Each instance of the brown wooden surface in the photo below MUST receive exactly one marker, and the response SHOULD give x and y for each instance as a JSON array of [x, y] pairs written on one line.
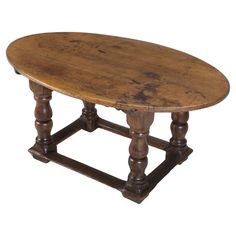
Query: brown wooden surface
[[118, 72], [43, 123], [137, 183]]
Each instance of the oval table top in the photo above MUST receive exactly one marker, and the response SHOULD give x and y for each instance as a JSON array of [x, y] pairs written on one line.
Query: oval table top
[[118, 72]]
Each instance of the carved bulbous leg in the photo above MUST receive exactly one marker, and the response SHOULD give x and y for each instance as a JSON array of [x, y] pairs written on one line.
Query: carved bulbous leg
[[90, 117], [178, 144], [43, 122], [137, 184]]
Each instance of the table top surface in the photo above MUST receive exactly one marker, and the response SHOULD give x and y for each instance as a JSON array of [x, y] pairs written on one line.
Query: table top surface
[[123, 73]]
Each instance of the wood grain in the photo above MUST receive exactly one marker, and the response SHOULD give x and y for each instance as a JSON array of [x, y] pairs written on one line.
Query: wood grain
[[118, 72], [43, 123], [137, 184]]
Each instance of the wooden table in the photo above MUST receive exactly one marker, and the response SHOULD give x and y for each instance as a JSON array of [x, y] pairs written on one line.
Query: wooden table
[[136, 77]]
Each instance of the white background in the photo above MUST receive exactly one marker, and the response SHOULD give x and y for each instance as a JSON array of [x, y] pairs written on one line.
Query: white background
[[196, 198]]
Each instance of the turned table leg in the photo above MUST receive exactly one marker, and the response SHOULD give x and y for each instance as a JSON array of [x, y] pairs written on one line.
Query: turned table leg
[[90, 117], [43, 123], [137, 185], [178, 144]]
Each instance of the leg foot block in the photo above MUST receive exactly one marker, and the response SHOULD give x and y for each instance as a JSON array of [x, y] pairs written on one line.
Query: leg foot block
[[37, 155], [137, 197]]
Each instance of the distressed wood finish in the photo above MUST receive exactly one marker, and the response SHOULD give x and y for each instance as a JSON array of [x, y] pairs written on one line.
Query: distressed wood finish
[[118, 72], [137, 77]]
